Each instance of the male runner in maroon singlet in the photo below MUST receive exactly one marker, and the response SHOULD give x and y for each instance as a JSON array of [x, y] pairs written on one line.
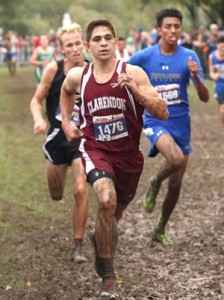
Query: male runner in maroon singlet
[[114, 95]]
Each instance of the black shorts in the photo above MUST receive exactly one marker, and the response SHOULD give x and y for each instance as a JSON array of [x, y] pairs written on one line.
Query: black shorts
[[58, 150]]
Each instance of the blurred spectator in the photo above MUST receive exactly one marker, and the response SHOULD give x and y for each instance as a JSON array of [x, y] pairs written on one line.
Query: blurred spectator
[[186, 40], [154, 37], [200, 46], [144, 39], [36, 40], [135, 35], [2, 49], [10, 43], [121, 52], [53, 41], [130, 44], [21, 49]]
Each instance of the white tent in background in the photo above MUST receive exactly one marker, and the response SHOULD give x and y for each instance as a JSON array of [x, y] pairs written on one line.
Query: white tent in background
[[66, 19]]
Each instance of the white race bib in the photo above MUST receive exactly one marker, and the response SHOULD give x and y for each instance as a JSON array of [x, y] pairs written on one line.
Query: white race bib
[[108, 128], [170, 93]]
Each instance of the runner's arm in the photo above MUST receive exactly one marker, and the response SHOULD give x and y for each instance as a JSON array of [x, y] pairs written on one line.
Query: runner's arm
[[33, 59], [139, 84], [202, 90], [68, 90], [212, 72], [40, 125]]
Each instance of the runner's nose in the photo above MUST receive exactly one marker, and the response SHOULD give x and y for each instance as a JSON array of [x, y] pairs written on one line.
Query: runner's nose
[[74, 48]]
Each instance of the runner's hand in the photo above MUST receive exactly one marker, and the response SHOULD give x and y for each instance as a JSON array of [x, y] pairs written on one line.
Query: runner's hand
[[40, 126], [126, 81], [72, 133], [192, 67]]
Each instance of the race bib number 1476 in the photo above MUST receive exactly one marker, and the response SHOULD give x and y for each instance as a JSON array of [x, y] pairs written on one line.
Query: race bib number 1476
[[108, 128]]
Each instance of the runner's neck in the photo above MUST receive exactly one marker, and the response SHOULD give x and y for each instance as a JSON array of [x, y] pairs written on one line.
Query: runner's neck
[[103, 72]]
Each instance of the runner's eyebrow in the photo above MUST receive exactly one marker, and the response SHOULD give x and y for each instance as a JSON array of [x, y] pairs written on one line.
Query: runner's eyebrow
[[108, 36]]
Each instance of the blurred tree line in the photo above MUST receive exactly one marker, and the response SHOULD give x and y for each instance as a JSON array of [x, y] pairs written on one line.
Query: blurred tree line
[[33, 17]]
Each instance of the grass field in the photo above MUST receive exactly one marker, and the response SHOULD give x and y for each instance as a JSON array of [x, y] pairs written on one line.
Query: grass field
[[20, 159], [24, 199]]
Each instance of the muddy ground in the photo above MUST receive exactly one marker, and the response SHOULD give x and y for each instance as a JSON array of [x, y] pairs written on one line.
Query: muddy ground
[[191, 268]]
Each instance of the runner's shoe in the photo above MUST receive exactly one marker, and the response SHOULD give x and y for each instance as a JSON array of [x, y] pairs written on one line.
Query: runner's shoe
[[93, 241], [161, 237], [108, 289], [78, 256], [149, 200]]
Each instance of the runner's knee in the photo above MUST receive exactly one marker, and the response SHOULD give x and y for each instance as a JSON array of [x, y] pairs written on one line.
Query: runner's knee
[[80, 193], [177, 162], [56, 194], [107, 203], [56, 197], [103, 186]]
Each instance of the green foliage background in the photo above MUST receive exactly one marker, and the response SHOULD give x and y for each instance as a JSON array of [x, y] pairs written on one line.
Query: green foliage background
[[27, 16]]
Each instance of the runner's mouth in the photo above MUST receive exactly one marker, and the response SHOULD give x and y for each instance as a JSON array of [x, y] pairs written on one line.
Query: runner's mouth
[[104, 51]]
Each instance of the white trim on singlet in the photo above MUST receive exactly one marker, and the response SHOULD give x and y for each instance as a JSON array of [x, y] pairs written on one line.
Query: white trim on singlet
[[89, 165], [119, 69], [49, 138], [83, 86], [132, 101]]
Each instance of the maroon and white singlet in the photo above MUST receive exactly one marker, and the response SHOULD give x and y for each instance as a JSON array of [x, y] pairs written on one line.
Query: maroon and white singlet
[[111, 119]]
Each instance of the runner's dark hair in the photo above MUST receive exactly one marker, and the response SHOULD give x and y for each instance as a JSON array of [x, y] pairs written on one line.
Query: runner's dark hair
[[168, 12]]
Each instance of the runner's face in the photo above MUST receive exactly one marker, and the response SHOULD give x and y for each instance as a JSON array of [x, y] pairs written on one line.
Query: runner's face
[[121, 45], [170, 30], [72, 46], [44, 42], [102, 43]]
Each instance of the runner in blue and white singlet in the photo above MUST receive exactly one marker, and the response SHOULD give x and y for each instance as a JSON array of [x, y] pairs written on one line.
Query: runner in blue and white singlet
[[169, 67], [170, 76], [216, 72], [219, 83]]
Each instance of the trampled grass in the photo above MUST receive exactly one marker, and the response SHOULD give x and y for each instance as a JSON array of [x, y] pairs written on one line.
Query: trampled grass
[[27, 214]]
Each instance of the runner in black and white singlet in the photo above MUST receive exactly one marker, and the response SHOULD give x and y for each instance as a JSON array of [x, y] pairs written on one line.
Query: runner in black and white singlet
[[59, 152], [111, 122]]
